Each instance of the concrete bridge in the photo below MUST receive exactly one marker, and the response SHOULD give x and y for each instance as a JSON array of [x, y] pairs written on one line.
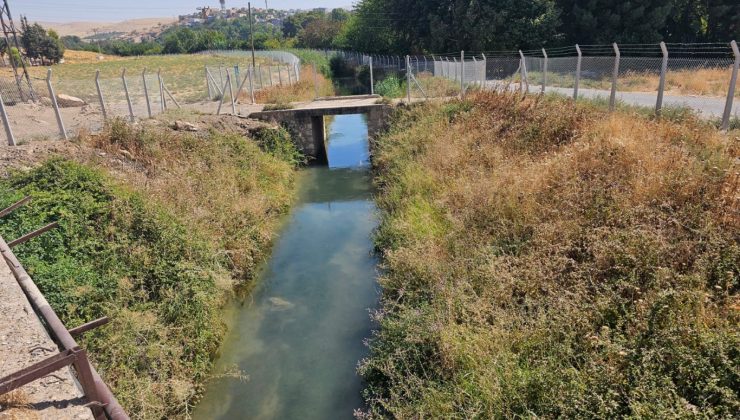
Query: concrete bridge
[[306, 124]]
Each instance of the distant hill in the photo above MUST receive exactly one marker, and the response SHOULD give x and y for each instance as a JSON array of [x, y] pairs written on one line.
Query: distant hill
[[125, 29]]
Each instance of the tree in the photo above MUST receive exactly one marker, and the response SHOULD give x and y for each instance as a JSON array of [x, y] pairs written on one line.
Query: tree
[[319, 33], [607, 21], [40, 44], [451, 25], [723, 20], [339, 15]]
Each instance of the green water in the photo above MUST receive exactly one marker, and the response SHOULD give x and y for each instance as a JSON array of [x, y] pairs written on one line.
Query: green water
[[300, 335]]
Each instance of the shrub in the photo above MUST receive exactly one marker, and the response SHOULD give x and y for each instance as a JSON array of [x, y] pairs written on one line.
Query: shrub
[[390, 87]]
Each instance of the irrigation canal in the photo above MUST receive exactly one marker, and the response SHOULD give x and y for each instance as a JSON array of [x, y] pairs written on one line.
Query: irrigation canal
[[299, 336]]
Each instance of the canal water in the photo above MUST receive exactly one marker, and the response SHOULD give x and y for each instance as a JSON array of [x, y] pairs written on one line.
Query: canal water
[[300, 335]]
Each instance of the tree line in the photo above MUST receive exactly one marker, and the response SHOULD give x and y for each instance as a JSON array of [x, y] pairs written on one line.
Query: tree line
[[437, 26], [425, 26]]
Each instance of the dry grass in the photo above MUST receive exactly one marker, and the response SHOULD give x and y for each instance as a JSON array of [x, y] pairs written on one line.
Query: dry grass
[[302, 91], [16, 405], [207, 181], [544, 259], [701, 82]]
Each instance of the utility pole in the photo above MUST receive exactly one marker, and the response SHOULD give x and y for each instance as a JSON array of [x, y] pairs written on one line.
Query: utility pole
[[251, 35], [8, 27]]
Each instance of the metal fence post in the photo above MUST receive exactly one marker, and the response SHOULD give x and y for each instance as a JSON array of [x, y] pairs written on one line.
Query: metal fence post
[[146, 93], [236, 73], [251, 84], [485, 70], [128, 98], [523, 70], [54, 103], [208, 83], [221, 102], [6, 123], [372, 78], [280, 76], [462, 73], [731, 92], [578, 72], [615, 76], [315, 81], [162, 100], [100, 94], [475, 70], [231, 93], [408, 79], [661, 85], [544, 70], [269, 74]]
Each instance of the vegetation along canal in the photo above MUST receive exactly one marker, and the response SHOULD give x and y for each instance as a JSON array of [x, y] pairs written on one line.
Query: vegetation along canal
[[300, 335]]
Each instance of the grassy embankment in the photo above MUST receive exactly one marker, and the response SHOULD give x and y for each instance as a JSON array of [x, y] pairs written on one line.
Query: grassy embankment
[[156, 243], [547, 259]]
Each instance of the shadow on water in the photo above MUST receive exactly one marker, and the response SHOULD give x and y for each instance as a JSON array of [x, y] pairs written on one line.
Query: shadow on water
[[300, 336]]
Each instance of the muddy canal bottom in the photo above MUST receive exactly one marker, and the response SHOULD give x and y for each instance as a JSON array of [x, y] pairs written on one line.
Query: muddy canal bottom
[[300, 336]]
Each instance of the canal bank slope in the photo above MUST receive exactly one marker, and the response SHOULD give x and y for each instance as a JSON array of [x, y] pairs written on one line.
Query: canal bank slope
[[546, 259], [159, 221]]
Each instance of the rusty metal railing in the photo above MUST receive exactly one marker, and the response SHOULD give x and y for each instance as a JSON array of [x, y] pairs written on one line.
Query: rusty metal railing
[[102, 402]]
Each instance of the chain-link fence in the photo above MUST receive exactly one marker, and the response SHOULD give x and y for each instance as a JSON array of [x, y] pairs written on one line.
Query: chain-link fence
[[665, 77], [86, 95]]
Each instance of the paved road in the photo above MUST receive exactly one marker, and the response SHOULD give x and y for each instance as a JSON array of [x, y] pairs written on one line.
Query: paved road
[[709, 107], [706, 106]]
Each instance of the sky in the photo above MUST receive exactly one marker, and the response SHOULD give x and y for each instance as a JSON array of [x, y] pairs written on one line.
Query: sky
[[116, 11]]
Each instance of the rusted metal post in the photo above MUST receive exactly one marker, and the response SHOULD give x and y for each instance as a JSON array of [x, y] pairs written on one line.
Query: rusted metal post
[[6, 123], [100, 95], [615, 77], [93, 386], [13, 207], [731, 92], [54, 103], [27, 237], [77, 331], [128, 98], [661, 84]]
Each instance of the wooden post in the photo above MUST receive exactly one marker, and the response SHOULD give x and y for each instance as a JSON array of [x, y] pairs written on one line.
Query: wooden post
[[162, 101], [128, 98]]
